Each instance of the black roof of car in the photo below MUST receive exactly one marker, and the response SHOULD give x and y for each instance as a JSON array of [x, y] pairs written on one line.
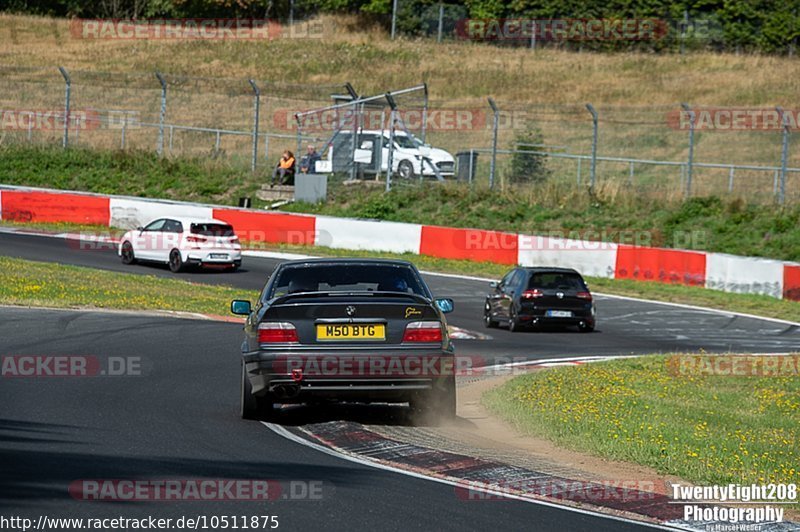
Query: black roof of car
[[545, 269], [346, 260]]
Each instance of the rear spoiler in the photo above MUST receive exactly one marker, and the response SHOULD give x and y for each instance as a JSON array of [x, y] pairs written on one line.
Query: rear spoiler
[[289, 298]]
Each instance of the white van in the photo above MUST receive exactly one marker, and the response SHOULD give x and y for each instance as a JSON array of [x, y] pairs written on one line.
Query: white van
[[411, 158]]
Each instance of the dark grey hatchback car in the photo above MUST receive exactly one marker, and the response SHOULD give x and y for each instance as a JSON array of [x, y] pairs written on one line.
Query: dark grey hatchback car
[[540, 296], [361, 330]]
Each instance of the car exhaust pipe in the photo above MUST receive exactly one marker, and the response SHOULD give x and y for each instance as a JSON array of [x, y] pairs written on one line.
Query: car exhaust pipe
[[285, 391]]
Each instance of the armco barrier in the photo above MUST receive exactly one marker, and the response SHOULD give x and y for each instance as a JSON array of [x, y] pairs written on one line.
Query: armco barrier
[[272, 227], [745, 275], [791, 282], [662, 265], [713, 270], [373, 235], [132, 213], [34, 206], [469, 244], [597, 259]]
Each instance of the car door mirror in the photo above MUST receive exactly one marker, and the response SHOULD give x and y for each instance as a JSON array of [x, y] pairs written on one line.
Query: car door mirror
[[140, 228], [445, 304], [493, 284], [241, 307]]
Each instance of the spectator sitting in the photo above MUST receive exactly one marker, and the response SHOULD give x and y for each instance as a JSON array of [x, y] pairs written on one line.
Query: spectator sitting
[[284, 170], [309, 160]]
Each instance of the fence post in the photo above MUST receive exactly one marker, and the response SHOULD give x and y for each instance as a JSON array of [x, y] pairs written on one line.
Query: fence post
[[67, 93], [256, 109], [394, 18], [784, 155], [424, 111], [163, 115], [441, 22], [593, 171], [495, 123], [392, 118], [690, 161]]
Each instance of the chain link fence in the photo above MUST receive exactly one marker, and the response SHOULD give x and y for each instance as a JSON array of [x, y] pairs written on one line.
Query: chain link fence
[[664, 151]]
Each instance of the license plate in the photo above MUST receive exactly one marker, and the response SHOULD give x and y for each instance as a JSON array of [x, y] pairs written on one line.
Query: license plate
[[351, 331], [218, 256], [558, 314]]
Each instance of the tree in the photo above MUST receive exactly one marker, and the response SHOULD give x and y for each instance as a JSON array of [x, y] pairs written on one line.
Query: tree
[[528, 167]]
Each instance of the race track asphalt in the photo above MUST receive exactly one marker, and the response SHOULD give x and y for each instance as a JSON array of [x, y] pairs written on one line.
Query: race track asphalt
[[624, 326], [179, 420]]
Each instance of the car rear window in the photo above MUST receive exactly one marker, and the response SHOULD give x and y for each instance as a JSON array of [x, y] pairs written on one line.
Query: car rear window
[[348, 278], [212, 229], [556, 280]]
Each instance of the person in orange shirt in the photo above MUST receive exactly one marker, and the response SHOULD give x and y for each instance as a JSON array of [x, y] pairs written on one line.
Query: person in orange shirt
[[284, 170]]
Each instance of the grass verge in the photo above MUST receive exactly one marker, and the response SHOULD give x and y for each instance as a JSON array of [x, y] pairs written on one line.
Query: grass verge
[[40, 284], [706, 429], [612, 213]]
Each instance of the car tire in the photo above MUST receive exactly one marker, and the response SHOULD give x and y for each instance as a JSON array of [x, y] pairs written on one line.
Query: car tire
[[488, 322], [514, 324], [126, 253], [251, 406], [405, 169], [175, 261], [438, 404], [586, 327]]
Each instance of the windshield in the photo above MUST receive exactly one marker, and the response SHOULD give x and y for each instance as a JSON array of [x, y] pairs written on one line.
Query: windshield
[[347, 278], [404, 141], [212, 229], [556, 281]]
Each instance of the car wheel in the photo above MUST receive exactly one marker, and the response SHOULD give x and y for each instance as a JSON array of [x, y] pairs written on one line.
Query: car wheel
[[513, 322], [405, 170], [586, 327], [251, 406], [175, 261], [488, 322], [127, 253]]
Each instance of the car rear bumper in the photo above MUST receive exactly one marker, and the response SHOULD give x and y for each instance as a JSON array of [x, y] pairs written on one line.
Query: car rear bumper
[[539, 317], [213, 257], [300, 376]]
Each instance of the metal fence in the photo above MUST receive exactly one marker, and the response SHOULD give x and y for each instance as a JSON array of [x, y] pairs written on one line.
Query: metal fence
[[658, 150]]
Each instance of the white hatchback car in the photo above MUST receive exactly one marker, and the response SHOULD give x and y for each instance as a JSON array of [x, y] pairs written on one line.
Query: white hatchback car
[[180, 242]]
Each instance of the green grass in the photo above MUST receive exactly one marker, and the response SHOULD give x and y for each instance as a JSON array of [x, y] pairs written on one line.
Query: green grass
[[703, 223], [40, 284], [130, 173], [709, 429]]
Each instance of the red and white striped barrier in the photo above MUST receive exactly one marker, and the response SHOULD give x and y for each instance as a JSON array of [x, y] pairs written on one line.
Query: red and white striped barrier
[[716, 271]]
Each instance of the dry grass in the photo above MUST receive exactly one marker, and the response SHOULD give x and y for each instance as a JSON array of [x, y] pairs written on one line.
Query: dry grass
[[632, 91]]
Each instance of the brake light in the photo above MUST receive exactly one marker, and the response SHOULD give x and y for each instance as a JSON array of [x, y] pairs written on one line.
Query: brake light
[[235, 240], [277, 333], [584, 295], [532, 294], [194, 238], [423, 331]]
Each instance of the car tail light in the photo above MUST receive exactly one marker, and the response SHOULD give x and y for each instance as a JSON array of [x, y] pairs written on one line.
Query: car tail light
[[277, 333], [584, 295], [235, 240], [532, 294], [423, 331]]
